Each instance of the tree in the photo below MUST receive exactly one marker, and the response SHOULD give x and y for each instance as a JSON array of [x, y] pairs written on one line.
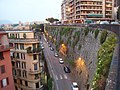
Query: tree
[[51, 20], [118, 13]]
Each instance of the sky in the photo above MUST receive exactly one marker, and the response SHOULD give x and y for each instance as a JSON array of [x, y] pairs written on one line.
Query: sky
[[29, 10]]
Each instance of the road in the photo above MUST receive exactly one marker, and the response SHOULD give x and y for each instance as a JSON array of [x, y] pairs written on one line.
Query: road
[[61, 79]]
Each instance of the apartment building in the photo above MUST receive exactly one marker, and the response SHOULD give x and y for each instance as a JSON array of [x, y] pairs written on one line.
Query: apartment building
[[26, 59], [6, 78], [76, 11]]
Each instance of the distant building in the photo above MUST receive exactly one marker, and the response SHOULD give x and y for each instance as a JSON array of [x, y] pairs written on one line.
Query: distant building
[[26, 60], [76, 11], [6, 78]]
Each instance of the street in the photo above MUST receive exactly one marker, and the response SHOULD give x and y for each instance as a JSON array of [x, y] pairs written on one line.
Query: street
[[61, 79]]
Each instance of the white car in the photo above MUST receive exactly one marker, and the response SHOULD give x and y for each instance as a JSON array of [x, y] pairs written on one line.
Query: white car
[[114, 22], [56, 55], [75, 86], [61, 61], [104, 22]]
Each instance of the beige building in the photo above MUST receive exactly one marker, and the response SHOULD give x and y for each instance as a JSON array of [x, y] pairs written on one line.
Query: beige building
[[25, 57], [76, 11]]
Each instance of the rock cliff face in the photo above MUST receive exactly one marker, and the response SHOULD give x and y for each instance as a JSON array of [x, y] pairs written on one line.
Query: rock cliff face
[[82, 46]]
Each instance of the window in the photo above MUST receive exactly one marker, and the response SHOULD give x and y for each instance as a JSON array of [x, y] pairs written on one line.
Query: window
[[16, 88], [35, 66], [2, 69], [14, 72], [16, 46], [26, 83], [23, 65], [4, 82], [15, 80], [19, 72], [18, 56], [24, 73], [22, 56], [34, 56], [22, 46], [37, 85], [1, 56], [18, 64], [21, 82]]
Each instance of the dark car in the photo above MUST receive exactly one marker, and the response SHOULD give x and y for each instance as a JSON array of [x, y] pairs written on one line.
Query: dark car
[[66, 69]]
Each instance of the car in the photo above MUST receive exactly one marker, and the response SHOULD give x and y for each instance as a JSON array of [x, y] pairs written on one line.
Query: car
[[42, 47], [66, 69], [56, 55], [49, 45], [52, 49], [75, 86], [61, 61], [41, 42], [104, 22], [114, 22]]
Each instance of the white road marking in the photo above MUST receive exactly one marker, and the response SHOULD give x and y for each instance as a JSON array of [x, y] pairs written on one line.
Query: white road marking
[[61, 77], [65, 76], [56, 77]]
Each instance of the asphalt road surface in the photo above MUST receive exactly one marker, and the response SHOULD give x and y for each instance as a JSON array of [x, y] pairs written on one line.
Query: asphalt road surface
[[61, 79]]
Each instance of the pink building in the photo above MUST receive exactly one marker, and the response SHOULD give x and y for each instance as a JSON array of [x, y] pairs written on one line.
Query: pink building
[[6, 78]]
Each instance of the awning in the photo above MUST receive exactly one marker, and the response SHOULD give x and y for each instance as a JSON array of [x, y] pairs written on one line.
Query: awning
[[95, 15]]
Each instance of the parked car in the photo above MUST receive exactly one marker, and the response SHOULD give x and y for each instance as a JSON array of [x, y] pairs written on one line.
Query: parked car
[[49, 45], [104, 22], [41, 42], [114, 22], [42, 47], [66, 69], [75, 86], [56, 55], [61, 61], [52, 49]]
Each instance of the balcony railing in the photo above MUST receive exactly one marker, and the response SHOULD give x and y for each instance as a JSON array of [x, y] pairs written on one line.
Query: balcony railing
[[35, 50], [34, 72], [24, 40], [5, 47]]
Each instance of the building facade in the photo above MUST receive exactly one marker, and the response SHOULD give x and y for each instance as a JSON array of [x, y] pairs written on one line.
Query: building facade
[[75, 11], [6, 77], [26, 63]]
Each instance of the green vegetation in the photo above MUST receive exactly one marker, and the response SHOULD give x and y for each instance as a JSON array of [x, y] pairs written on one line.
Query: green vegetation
[[96, 33], [86, 31], [12, 37], [79, 47], [50, 83], [104, 57], [24, 35], [103, 36], [70, 62], [51, 20]]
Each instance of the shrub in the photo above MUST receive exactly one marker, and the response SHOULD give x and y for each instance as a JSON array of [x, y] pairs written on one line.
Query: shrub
[[96, 33], [103, 36], [86, 31]]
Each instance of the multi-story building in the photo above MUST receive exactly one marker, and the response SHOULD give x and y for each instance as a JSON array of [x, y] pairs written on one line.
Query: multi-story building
[[75, 11], [6, 78], [25, 60]]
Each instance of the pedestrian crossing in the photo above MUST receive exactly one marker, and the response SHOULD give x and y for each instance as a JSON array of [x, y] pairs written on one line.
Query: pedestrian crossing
[[60, 77]]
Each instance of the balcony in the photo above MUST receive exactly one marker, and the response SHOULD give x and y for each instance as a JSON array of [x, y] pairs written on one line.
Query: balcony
[[5, 47], [35, 72], [31, 40], [32, 51]]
